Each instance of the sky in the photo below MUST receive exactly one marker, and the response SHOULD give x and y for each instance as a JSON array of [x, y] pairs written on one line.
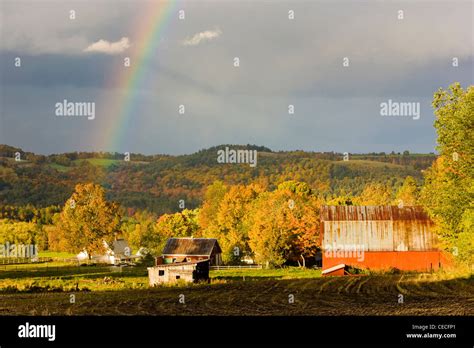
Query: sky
[[191, 62]]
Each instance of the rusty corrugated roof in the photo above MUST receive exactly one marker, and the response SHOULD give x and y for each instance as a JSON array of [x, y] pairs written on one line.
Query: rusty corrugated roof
[[178, 264], [191, 246], [377, 228], [367, 213]]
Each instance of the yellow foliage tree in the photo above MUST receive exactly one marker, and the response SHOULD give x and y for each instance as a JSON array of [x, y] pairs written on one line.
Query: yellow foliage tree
[[88, 219], [374, 194]]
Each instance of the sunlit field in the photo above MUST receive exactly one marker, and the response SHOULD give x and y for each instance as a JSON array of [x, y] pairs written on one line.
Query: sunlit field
[[103, 290]]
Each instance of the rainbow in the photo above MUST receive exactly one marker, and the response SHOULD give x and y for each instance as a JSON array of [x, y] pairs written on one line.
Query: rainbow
[[148, 30]]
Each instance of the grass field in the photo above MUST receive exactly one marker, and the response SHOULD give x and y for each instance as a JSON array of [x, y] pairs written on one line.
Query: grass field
[[56, 254], [100, 162], [41, 290]]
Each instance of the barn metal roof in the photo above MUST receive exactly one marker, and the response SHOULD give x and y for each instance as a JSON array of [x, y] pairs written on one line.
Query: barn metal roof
[[191, 246], [367, 213], [377, 228]]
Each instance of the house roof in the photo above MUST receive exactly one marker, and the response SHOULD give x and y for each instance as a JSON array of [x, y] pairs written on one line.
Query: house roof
[[191, 246], [119, 246], [368, 213]]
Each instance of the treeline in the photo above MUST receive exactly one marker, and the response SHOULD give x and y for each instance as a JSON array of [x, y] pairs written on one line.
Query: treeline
[[29, 213], [270, 226], [158, 183], [68, 158]]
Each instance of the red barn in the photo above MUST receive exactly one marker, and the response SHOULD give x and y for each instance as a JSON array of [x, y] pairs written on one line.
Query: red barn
[[379, 237]]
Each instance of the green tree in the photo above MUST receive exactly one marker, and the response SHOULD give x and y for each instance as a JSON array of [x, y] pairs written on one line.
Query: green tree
[[408, 193], [448, 189], [139, 230], [181, 224]]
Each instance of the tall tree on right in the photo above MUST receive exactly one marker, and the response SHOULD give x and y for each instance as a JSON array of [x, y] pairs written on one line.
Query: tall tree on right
[[448, 191]]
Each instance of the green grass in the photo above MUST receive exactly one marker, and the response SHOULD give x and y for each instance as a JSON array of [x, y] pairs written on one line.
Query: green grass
[[279, 273], [101, 162], [367, 163], [56, 254], [59, 167], [60, 275], [66, 275]]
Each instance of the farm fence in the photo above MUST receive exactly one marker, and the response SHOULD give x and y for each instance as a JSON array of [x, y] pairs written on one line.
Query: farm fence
[[23, 260], [218, 268]]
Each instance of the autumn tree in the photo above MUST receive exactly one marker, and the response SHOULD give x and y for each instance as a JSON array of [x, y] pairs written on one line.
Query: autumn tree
[[231, 232], [55, 235], [448, 191], [210, 207], [18, 232], [139, 230], [374, 194], [284, 224], [88, 219], [180, 224], [342, 198], [408, 193]]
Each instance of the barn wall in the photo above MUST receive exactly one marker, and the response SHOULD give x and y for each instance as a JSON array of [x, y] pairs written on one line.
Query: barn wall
[[153, 278], [380, 237], [402, 260], [185, 275], [184, 271]]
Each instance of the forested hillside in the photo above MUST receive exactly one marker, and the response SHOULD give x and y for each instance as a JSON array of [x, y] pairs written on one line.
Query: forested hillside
[[157, 183]]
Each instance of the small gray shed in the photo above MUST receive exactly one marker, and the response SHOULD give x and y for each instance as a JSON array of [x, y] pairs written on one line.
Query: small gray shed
[[191, 272]]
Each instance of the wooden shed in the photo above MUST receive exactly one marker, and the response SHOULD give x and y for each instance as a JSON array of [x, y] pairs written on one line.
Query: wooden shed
[[191, 272], [192, 249], [338, 270], [379, 237]]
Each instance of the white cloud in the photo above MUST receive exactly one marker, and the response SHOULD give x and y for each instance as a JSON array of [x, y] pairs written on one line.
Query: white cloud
[[203, 36], [104, 46]]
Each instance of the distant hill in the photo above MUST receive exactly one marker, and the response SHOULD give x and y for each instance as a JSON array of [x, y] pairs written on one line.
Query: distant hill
[[158, 182]]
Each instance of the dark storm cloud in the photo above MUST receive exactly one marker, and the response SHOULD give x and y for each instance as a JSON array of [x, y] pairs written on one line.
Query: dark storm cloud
[[283, 62]]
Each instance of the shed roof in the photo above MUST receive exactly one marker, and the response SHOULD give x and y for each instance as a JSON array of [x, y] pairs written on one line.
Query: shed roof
[[368, 213], [191, 246], [177, 264], [333, 268]]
